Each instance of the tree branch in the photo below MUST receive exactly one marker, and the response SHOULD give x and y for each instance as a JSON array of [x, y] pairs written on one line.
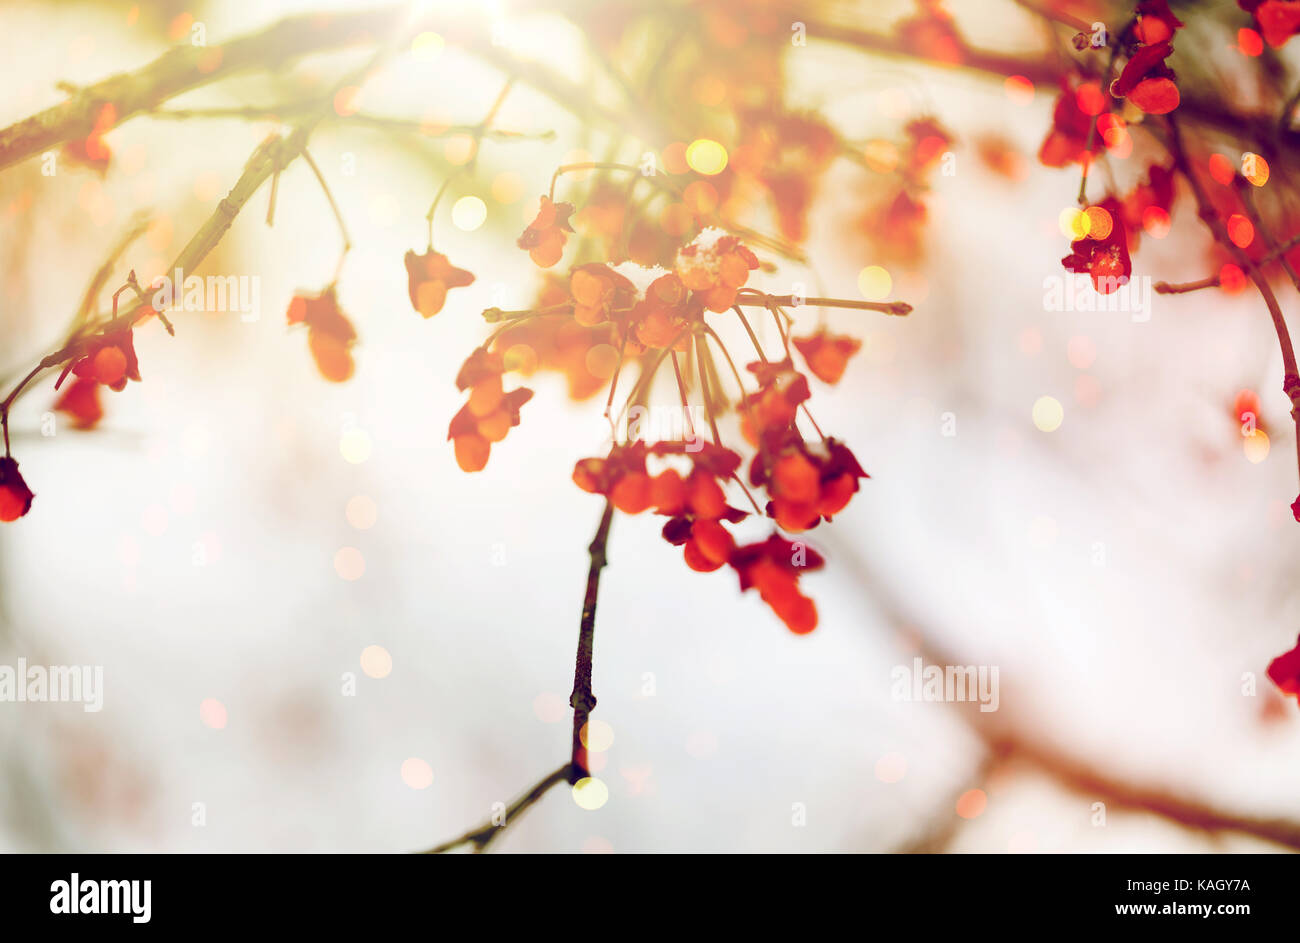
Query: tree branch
[[1210, 216], [1005, 738], [484, 835], [760, 299], [582, 700], [186, 67]]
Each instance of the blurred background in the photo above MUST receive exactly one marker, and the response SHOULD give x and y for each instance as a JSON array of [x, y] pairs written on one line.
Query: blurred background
[[238, 531]]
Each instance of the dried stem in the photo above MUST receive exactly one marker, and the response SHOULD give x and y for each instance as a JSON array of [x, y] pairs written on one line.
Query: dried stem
[[759, 299], [484, 835], [1087, 158], [702, 361], [1168, 288], [582, 699], [1275, 251]]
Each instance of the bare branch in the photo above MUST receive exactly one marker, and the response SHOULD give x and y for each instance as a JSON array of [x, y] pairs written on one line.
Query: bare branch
[[186, 67]]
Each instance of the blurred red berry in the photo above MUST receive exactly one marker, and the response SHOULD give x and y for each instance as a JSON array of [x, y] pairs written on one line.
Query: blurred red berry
[[15, 496]]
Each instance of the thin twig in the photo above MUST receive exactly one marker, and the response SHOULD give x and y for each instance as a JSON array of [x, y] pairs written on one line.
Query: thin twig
[[1169, 288], [484, 835], [759, 299], [582, 699]]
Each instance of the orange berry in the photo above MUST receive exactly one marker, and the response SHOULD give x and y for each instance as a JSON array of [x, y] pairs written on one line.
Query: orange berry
[[836, 494], [667, 492], [696, 560], [799, 613], [332, 356], [697, 278], [545, 215], [586, 474], [494, 426], [631, 493], [712, 540], [706, 496], [587, 289], [472, 452], [12, 504], [720, 298], [430, 297], [486, 396], [794, 516], [549, 248], [1157, 96], [796, 478], [733, 271], [110, 366]]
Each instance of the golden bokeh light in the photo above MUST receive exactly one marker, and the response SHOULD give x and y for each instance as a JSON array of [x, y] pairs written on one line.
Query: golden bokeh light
[[590, 793], [706, 157], [468, 213], [875, 283], [354, 445], [597, 736], [1048, 414], [1256, 446]]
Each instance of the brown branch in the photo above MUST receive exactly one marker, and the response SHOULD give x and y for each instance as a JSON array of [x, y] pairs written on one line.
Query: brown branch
[[1170, 288], [1006, 739], [1260, 128], [483, 836], [270, 157], [361, 119], [1212, 281], [1246, 191], [582, 700], [759, 299], [186, 67], [1082, 779], [1210, 216]]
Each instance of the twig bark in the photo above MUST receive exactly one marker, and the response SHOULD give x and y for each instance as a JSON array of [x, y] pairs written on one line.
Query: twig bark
[[485, 834], [759, 299], [582, 699], [186, 67]]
